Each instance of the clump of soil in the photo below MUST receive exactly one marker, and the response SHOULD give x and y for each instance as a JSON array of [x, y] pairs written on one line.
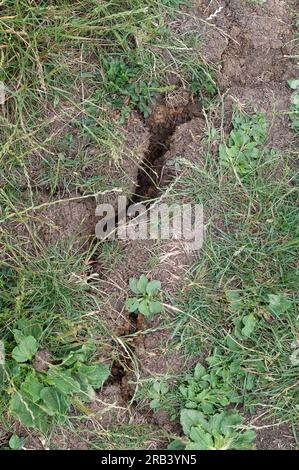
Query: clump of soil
[[66, 221], [42, 360]]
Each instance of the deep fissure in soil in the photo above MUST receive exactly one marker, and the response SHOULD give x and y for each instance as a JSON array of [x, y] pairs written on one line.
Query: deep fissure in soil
[[162, 124]]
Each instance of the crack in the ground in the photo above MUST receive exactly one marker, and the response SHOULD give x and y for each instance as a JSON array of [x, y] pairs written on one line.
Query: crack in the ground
[[162, 125]]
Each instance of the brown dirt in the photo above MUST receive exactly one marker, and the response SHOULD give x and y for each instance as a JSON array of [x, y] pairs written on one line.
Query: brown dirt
[[42, 360], [271, 435], [113, 285], [66, 220]]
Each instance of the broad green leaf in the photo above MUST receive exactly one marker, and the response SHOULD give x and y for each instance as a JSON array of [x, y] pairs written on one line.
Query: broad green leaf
[[249, 322], [144, 308], [33, 330], [244, 440], [294, 83], [160, 387], [16, 442], [133, 283], [191, 418], [63, 380], [155, 307], [54, 402], [28, 413], [295, 100], [32, 387], [199, 371], [96, 374], [203, 440], [142, 283], [132, 304], [25, 350], [223, 154], [153, 287], [154, 404], [229, 420], [235, 300], [176, 445], [87, 391], [29, 328], [250, 381], [72, 353], [18, 335], [278, 304]]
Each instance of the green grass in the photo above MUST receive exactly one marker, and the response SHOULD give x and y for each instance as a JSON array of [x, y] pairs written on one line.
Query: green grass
[[239, 313], [73, 73], [242, 302], [67, 67]]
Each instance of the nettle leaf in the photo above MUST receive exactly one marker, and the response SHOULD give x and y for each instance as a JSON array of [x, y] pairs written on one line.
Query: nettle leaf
[[142, 283], [96, 374], [278, 304], [25, 350], [62, 380], [32, 387], [153, 287], [249, 322], [133, 283], [132, 304], [54, 402], [16, 442]]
